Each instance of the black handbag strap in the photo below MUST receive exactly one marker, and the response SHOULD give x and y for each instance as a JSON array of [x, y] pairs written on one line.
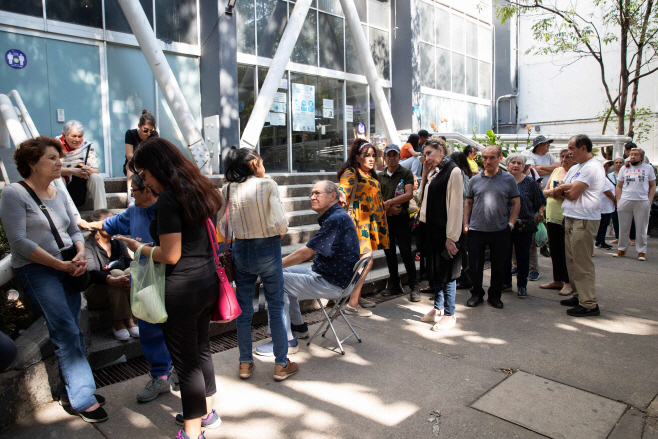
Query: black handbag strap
[[87, 155], [44, 209]]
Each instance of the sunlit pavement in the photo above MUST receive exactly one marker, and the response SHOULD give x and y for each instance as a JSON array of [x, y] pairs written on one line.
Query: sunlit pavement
[[388, 385]]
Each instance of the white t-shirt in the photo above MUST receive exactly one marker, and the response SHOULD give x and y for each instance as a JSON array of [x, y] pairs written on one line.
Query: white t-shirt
[[636, 182], [588, 205], [607, 205], [544, 160]]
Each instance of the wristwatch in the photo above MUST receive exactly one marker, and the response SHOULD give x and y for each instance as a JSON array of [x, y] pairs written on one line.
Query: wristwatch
[[511, 225]]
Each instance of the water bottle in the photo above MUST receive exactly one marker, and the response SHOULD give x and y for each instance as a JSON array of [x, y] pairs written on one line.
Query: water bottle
[[399, 190]]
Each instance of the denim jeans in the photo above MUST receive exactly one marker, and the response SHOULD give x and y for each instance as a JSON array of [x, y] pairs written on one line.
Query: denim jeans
[[60, 304], [603, 228], [154, 348], [444, 297], [253, 258]]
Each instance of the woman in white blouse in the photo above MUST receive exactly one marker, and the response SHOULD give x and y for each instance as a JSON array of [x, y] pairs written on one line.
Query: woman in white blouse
[[257, 220]]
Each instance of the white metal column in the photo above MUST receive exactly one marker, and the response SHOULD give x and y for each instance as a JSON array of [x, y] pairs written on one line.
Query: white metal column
[[270, 86], [150, 46], [365, 57]]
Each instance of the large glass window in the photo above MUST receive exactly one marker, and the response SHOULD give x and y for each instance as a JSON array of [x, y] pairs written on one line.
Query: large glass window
[[351, 58], [246, 81], [484, 84], [471, 76], [82, 12], [426, 20], [458, 74], [329, 112], [331, 42], [274, 137], [376, 133], [26, 7], [427, 66], [116, 21], [471, 36], [332, 6], [443, 27], [306, 48], [176, 21], [378, 13], [356, 111], [361, 8], [443, 76], [246, 30], [428, 112], [272, 17], [380, 52], [458, 31]]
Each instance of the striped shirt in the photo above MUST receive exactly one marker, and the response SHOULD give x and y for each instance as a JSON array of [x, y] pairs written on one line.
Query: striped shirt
[[255, 209]]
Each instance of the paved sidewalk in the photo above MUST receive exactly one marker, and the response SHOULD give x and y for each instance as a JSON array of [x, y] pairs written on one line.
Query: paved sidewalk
[[530, 365]]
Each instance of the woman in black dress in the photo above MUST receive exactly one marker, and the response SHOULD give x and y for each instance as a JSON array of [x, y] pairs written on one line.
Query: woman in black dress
[[145, 130]]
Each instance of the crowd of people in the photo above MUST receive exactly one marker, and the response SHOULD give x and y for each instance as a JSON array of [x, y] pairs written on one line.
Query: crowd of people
[[448, 206]]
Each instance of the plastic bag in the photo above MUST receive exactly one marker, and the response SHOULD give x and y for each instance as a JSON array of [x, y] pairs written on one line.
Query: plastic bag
[[147, 289], [541, 235]]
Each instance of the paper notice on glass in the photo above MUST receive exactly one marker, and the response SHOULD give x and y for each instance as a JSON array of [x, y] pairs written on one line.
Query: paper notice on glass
[[279, 103], [349, 113], [283, 83], [276, 119], [328, 108], [303, 107]]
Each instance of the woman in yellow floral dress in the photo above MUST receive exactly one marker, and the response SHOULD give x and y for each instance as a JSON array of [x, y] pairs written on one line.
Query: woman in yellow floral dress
[[368, 213]]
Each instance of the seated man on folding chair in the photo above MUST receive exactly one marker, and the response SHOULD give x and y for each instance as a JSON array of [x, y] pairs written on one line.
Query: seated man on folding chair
[[336, 250]]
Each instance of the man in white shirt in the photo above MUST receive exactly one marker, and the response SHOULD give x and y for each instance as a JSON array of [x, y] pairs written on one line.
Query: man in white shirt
[[636, 188], [581, 190]]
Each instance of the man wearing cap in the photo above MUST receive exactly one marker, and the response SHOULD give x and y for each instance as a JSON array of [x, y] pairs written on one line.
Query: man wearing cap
[[544, 162], [397, 185]]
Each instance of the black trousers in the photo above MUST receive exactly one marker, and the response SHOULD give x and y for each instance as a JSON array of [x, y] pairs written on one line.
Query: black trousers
[[498, 243], [400, 235], [186, 335], [558, 255]]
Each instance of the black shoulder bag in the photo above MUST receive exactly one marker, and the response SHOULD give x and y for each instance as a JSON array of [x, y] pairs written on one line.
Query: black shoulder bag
[[77, 186], [68, 253]]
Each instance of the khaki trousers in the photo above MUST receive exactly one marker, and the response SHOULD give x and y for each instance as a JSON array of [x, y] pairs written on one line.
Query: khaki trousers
[[115, 298], [96, 187], [579, 247]]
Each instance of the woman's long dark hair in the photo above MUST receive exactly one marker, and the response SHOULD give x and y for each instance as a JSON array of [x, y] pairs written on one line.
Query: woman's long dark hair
[[194, 191], [352, 162], [238, 164], [462, 162], [414, 139]]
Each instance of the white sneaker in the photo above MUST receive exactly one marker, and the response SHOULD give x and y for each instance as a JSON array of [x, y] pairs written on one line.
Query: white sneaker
[[134, 332], [358, 311], [121, 334]]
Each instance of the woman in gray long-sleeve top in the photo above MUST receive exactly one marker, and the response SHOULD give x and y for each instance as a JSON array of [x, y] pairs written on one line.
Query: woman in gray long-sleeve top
[[38, 264]]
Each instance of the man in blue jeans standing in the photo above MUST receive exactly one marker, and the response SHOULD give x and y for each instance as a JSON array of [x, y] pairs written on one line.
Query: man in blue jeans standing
[[135, 222]]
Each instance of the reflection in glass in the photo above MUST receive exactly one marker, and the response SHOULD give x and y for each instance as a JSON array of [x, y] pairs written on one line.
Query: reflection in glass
[[471, 77], [444, 113], [116, 21], [427, 65], [245, 24], [443, 27], [271, 22], [357, 100], [428, 112], [25, 7], [380, 52], [458, 73], [443, 77], [175, 20], [245, 94], [377, 135], [378, 11], [331, 42], [274, 137], [471, 34], [426, 22], [460, 117], [351, 58], [332, 6], [458, 34], [329, 111], [484, 118], [82, 12], [484, 81], [306, 48], [484, 44], [472, 115], [361, 8]]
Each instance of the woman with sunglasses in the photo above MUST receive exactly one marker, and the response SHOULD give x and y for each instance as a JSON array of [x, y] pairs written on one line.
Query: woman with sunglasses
[[368, 213], [145, 130]]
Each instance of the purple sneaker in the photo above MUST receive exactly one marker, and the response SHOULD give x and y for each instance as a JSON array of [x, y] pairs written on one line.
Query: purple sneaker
[[181, 435], [211, 420]]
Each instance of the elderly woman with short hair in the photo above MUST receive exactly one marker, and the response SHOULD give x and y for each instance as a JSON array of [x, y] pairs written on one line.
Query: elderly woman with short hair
[[532, 203], [39, 265], [81, 161]]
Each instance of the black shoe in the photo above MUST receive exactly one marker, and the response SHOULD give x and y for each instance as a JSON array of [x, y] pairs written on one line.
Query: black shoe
[[98, 415], [581, 311], [496, 303], [570, 302], [393, 291], [604, 246], [506, 289], [522, 293], [474, 301], [544, 251], [415, 294], [66, 403]]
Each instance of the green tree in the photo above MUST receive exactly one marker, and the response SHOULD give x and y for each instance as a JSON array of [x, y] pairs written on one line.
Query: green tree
[[629, 26]]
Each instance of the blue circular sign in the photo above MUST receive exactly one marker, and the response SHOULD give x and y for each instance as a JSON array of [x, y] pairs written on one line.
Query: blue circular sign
[[16, 59], [361, 128]]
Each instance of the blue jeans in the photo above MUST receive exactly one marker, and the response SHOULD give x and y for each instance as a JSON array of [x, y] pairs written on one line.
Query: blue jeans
[[60, 304], [444, 297], [253, 258], [154, 348]]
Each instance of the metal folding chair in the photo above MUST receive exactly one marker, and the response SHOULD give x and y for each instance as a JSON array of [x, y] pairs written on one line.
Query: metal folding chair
[[337, 310]]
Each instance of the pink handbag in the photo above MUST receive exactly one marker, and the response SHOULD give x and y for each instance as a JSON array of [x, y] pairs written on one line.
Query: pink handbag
[[227, 304]]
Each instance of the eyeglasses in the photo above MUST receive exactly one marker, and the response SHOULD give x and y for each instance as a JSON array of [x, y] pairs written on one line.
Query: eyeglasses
[[316, 194], [147, 130], [137, 190], [139, 174]]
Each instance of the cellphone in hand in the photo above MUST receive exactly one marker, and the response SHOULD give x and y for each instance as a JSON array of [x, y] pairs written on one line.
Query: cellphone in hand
[[445, 253]]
